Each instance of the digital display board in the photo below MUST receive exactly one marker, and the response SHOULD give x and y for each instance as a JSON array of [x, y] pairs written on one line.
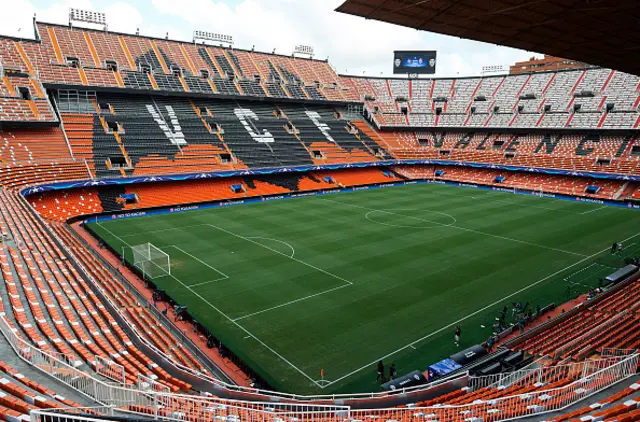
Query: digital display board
[[420, 62]]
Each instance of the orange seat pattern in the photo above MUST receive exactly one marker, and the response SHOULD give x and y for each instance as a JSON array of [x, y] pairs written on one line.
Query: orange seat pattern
[[33, 145], [574, 186], [357, 177], [568, 152], [62, 287], [191, 159], [623, 332]]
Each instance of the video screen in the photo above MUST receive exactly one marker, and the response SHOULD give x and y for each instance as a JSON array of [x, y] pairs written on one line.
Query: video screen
[[420, 62]]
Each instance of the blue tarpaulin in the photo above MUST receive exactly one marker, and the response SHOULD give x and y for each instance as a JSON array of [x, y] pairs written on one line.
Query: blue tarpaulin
[[237, 188], [442, 368]]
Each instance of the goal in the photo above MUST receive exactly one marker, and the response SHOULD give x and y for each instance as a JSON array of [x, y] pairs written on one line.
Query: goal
[[153, 262]]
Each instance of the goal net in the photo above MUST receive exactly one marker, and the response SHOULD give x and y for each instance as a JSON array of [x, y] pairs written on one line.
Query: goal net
[[151, 261]]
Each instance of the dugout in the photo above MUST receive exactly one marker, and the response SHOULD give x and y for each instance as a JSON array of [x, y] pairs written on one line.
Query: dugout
[[620, 275], [410, 380], [469, 355]]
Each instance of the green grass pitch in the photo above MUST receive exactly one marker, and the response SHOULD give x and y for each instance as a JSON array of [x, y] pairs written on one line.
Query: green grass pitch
[[337, 282]]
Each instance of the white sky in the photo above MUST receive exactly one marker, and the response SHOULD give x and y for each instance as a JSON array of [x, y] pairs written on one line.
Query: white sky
[[354, 45]]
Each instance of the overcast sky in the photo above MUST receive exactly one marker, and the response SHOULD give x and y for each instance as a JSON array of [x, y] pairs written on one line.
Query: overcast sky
[[354, 45]]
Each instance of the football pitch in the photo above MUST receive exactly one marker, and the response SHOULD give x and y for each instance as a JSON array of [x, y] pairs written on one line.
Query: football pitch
[[337, 282]]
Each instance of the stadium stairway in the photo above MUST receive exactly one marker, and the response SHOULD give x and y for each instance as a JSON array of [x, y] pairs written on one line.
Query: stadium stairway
[[82, 240], [37, 272], [126, 302], [76, 335]]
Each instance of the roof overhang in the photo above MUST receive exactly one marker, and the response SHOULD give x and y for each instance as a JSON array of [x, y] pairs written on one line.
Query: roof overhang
[[599, 32]]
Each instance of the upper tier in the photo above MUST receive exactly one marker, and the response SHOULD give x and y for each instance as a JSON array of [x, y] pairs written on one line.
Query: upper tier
[[593, 98], [81, 57]]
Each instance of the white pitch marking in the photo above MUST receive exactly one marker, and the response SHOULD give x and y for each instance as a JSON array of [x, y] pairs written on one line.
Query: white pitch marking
[[204, 283], [474, 313], [224, 276], [594, 210], [459, 228], [291, 302], [229, 318], [436, 224], [249, 239], [293, 251], [162, 230], [531, 206], [280, 253], [348, 283], [113, 234], [248, 333]]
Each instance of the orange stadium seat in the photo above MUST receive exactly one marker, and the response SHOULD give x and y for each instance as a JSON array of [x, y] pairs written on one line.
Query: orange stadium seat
[[97, 107]]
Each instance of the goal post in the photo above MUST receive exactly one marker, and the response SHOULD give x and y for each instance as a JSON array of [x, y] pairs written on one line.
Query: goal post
[[151, 260]]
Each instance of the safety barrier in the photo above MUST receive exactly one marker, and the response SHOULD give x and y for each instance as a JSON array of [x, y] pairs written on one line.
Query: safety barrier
[[533, 375], [598, 376]]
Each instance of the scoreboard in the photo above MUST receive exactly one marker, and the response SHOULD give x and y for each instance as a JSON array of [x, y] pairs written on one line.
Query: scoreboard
[[417, 62]]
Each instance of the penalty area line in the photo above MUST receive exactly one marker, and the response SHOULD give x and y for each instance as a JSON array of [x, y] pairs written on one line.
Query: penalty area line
[[249, 334]]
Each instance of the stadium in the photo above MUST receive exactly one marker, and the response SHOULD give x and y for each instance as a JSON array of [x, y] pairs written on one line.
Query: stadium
[[195, 231]]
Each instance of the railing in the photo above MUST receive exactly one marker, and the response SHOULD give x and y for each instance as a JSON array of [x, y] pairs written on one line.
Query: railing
[[64, 132], [146, 400], [198, 409], [541, 374], [248, 392], [608, 351], [257, 394], [518, 406], [245, 392]]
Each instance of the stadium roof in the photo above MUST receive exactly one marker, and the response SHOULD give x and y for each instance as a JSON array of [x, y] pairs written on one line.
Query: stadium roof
[[599, 32]]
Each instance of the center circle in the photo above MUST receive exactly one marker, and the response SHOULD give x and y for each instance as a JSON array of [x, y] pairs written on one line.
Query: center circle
[[427, 219]]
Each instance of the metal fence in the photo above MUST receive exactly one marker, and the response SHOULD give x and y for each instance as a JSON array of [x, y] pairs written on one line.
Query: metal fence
[[142, 398], [230, 389], [596, 376], [532, 375], [531, 403], [197, 409], [608, 351]]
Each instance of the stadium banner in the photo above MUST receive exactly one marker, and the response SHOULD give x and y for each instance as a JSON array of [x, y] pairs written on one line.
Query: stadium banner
[[300, 169], [229, 203], [414, 62]]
